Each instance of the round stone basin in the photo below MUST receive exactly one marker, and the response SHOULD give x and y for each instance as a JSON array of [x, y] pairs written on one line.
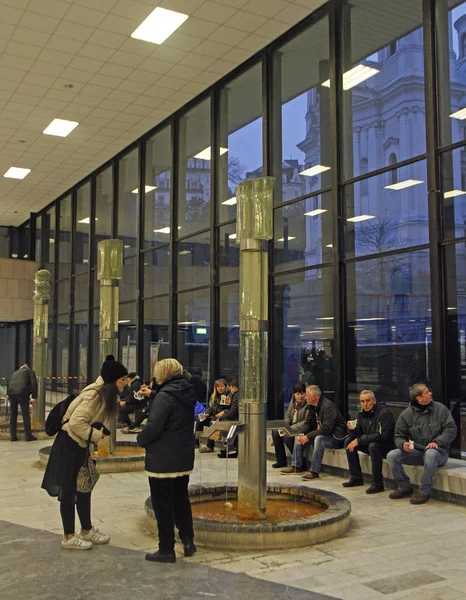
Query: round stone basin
[[128, 457], [297, 516]]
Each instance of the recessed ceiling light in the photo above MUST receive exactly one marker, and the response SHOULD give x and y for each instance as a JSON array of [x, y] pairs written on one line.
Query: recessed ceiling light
[[325, 318], [206, 153], [315, 170], [292, 325], [290, 237], [230, 201], [86, 220], [60, 127], [124, 321], [459, 114], [372, 319], [184, 252], [17, 173], [453, 193], [21, 141], [159, 25], [355, 76], [147, 188], [361, 218], [189, 323], [314, 213], [329, 246], [401, 185], [232, 236], [163, 230], [69, 86]]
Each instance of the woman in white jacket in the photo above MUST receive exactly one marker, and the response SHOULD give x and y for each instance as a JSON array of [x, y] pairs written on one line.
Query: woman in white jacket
[[88, 415]]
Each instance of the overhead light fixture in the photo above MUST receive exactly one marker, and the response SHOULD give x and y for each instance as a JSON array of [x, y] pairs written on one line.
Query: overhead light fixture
[[87, 220], [206, 153], [289, 238], [147, 188], [459, 114], [189, 323], [372, 319], [60, 127], [124, 321], [309, 332], [329, 246], [184, 252], [453, 193], [355, 76], [452, 308], [127, 246], [232, 236], [51, 241], [163, 230], [159, 25], [401, 185], [361, 218], [314, 213], [230, 201], [293, 326], [17, 173], [315, 170], [324, 318]]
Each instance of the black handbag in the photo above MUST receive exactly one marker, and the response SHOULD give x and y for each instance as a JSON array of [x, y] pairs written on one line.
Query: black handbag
[[88, 474]]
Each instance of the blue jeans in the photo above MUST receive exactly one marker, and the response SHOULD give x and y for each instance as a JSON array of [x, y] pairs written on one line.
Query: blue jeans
[[431, 459], [320, 443]]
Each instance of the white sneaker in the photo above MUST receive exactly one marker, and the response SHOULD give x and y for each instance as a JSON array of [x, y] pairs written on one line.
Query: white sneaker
[[76, 543], [95, 536]]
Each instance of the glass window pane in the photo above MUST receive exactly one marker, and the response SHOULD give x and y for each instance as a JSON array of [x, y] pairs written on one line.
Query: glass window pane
[[240, 137], [304, 156], [127, 335], [383, 80], [129, 283], [229, 331], [63, 346], [156, 333], [194, 329], [128, 182], [81, 292], [156, 271], [64, 256], [49, 245], [194, 261], [303, 233], [387, 212], [83, 228], [389, 326], [303, 334], [157, 191], [103, 206], [96, 361], [194, 167], [454, 193], [228, 258], [38, 257], [80, 338], [63, 296]]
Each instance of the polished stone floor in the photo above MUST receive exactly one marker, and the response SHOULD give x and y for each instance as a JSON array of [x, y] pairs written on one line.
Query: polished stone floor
[[393, 550]]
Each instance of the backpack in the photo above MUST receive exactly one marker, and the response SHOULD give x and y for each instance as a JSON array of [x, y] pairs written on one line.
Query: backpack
[[53, 422]]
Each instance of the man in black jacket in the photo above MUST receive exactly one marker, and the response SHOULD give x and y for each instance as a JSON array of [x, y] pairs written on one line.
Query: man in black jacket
[[371, 433], [128, 403], [230, 414], [329, 433], [22, 385]]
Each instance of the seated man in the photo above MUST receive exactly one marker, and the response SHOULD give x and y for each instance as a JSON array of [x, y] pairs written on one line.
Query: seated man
[[330, 432], [128, 403], [230, 414], [423, 434], [372, 434], [295, 416]]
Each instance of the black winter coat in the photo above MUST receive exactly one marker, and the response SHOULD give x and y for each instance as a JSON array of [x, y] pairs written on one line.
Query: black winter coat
[[168, 436], [376, 425], [231, 413], [23, 382], [128, 394], [329, 421]]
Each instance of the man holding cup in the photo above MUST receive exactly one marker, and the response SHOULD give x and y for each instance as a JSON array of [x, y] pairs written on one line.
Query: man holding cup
[[371, 433], [423, 435]]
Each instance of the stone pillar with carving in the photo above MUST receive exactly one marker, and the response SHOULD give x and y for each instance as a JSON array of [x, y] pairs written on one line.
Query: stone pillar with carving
[[254, 228], [40, 337], [109, 272]]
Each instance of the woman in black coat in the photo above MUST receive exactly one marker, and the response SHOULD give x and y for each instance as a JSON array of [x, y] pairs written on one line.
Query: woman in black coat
[[169, 443]]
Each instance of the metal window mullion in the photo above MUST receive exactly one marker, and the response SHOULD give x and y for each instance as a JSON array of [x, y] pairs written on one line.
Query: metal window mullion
[[173, 304], [71, 319], [140, 261], [215, 116], [90, 298]]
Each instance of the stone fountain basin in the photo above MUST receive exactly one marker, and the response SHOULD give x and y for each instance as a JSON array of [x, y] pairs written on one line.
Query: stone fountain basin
[[272, 535]]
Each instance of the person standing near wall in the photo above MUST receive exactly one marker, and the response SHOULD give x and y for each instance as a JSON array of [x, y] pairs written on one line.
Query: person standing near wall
[[22, 386]]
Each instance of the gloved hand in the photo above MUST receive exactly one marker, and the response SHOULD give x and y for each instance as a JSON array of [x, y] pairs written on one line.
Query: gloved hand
[[100, 426]]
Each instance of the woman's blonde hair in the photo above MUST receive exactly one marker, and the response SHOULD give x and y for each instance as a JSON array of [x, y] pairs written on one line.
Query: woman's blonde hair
[[168, 367], [214, 393]]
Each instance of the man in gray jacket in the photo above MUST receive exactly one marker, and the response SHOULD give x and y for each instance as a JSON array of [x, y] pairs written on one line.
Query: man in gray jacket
[[423, 434], [22, 385]]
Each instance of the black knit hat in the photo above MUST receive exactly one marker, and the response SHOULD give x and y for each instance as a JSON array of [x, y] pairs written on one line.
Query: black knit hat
[[112, 370]]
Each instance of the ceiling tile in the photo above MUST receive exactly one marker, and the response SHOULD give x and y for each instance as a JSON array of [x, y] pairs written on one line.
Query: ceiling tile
[[187, 7], [172, 55], [86, 64], [228, 35], [236, 55], [124, 26], [210, 48], [16, 62], [55, 58], [38, 79], [96, 90], [51, 8], [115, 70], [133, 9], [211, 11], [107, 39], [133, 86], [156, 66], [46, 68], [39, 22], [23, 50], [104, 5], [29, 36], [85, 16], [293, 14], [272, 28], [234, 3], [143, 77], [183, 41], [221, 67], [197, 60], [74, 75], [127, 59], [194, 87], [254, 43], [86, 100], [267, 8], [245, 21], [11, 74], [183, 72], [74, 31], [105, 80], [197, 27], [123, 96], [11, 15], [96, 52]]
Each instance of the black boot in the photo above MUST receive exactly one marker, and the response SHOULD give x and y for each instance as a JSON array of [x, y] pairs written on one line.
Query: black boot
[[163, 557], [189, 548]]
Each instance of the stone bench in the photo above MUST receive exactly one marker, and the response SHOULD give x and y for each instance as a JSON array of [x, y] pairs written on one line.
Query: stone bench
[[449, 483]]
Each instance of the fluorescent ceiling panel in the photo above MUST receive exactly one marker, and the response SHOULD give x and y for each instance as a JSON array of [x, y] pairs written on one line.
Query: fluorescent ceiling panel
[[206, 153], [315, 170], [232, 236], [230, 201], [147, 188], [453, 193], [459, 114], [355, 76], [17, 173], [60, 127], [159, 25], [361, 218], [87, 220], [401, 185], [290, 237], [314, 213]]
